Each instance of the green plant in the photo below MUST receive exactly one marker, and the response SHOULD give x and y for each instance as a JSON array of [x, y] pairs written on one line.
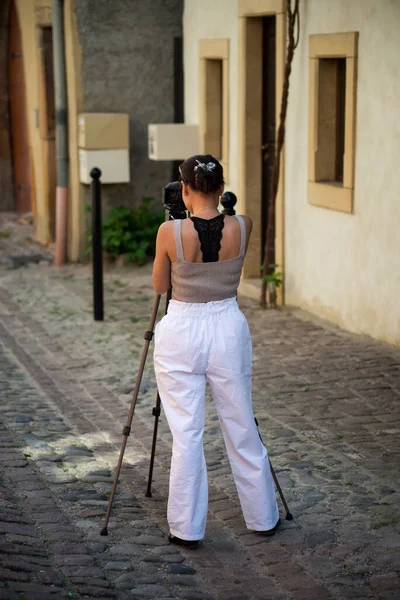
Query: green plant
[[274, 277], [131, 232]]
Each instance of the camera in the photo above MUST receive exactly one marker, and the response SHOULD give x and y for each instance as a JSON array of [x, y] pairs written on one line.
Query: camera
[[173, 201]]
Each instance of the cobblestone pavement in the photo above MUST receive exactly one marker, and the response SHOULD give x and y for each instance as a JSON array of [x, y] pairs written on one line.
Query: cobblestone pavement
[[328, 407]]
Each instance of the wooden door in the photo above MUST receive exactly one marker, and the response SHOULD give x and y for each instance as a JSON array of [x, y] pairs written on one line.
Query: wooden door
[[268, 118], [18, 118]]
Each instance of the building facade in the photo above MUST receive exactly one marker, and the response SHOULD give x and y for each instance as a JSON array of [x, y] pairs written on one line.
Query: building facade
[[120, 58], [337, 207], [337, 204]]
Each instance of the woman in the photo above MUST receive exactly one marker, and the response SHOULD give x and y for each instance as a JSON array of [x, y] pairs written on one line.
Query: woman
[[205, 337]]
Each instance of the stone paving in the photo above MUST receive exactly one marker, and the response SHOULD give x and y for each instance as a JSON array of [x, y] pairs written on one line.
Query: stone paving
[[327, 403]]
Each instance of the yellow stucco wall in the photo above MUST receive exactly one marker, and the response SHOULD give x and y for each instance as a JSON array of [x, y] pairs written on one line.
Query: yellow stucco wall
[[343, 267], [76, 215], [212, 20], [346, 267]]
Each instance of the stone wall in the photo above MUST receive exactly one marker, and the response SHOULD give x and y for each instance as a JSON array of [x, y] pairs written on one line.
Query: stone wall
[[127, 48]]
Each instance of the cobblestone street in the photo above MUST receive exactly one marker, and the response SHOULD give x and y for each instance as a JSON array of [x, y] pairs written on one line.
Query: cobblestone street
[[328, 407]]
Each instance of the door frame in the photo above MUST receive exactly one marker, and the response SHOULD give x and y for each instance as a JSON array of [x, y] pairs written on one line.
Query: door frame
[[250, 124], [47, 130]]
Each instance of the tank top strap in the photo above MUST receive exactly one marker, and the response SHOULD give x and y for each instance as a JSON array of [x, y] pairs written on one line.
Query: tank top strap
[[178, 239], [242, 235]]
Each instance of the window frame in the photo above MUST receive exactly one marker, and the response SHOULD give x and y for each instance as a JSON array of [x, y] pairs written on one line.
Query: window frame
[[333, 45], [215, 49]]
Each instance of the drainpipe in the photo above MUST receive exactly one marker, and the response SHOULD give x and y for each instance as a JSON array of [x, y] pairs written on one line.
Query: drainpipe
[[61, 133]]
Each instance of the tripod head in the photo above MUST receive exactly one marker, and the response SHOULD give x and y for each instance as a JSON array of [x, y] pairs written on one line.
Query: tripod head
[[173, 201]]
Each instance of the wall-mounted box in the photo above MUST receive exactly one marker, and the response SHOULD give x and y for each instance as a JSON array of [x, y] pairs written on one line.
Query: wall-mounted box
[[103, 131], [113, 164], [173, 141]]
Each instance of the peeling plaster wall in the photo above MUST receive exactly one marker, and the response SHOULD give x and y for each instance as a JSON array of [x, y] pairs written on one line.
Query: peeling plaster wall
[[128, 67]]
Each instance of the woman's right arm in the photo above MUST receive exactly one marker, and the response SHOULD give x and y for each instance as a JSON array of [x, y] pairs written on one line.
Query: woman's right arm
[[162, 264]]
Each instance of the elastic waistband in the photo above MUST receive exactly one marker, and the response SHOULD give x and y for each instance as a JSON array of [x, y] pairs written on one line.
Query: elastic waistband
[[200, 308]]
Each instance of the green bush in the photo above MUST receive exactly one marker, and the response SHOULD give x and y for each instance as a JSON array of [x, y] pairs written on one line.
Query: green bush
[[131, 232]]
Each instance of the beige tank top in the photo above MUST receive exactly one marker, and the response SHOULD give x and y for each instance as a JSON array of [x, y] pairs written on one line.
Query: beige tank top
[[206, 282]]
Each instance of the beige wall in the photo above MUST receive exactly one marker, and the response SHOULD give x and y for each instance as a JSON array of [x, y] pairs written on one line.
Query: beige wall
[[212, 20], [76, 191], [220, 20], [346, 267]]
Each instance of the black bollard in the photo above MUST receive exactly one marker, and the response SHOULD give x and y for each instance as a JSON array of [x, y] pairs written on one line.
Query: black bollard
[[97, 249], [228, 201]]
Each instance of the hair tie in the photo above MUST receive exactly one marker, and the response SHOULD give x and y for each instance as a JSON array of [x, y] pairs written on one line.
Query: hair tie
[[205, 168]]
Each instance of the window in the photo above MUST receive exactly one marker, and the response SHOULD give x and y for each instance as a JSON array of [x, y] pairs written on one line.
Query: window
[[213, 121], [332, 101], [331, 120], [213, 107]]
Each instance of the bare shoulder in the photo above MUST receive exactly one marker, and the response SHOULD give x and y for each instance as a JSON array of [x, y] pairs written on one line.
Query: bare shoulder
[[248, 222], [166, 226], [166, 229], [165, 235]]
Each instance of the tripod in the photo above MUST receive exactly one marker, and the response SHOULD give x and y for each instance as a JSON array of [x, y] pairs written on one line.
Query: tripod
[[173, 203], [157, 409]]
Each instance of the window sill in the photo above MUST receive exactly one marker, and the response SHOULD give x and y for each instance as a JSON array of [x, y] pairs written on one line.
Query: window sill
[[329, 195]]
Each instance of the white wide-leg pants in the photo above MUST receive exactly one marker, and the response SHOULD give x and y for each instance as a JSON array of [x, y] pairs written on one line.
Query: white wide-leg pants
[[195, 343]]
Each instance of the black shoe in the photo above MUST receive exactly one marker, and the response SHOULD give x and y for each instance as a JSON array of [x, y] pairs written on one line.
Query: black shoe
[[270, 532], [179, 542]]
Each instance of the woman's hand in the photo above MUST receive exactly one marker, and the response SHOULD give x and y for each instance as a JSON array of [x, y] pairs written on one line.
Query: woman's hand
[[162, 264]]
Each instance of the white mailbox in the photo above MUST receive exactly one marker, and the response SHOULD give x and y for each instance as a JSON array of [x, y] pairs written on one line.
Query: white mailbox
[[173, 141], [104, 143]]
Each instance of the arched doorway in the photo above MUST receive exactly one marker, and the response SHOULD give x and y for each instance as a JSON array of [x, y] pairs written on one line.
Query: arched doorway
[[18, 117]]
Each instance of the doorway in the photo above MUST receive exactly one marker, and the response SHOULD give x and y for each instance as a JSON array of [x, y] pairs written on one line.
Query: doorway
[[47, 122], [268, 120], [262, 50], [179, 116], [18, 118]]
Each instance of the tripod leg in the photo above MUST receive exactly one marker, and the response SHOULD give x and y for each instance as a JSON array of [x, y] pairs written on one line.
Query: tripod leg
[[156, 414], [148, 336], [289, 516]]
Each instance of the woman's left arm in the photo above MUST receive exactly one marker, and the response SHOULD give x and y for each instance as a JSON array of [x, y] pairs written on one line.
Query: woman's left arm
[[162, 264]]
